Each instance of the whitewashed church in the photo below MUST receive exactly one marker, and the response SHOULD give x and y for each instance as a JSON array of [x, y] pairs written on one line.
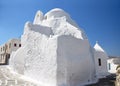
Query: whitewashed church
[[55, 51]]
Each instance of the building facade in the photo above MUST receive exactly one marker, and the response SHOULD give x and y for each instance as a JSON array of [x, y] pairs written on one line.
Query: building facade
[[113, 63], [100, 61], [56, 52], [7, 48]]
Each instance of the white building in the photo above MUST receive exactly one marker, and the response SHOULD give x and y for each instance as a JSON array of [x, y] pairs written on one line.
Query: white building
[[113, 63], [7, 48], [56, 52], [100, 61]]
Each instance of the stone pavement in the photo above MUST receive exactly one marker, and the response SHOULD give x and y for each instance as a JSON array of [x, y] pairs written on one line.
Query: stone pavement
[[8, 78], [108, 81]]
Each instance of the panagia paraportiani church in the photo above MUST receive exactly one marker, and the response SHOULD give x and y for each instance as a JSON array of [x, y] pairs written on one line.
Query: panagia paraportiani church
[[56, 52]]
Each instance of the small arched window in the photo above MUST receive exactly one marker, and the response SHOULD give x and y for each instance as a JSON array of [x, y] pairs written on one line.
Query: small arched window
[[109, 66], [45, 17], [15, 44], [19, 45], [38, 15], [99, 62]]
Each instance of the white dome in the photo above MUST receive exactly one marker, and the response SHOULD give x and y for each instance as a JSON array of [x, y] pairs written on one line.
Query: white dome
[[57, 12]]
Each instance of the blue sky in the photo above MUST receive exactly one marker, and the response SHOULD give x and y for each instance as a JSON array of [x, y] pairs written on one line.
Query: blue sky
[[100, 19]]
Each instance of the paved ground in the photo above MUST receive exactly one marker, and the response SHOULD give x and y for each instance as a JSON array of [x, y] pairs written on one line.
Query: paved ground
[[109, 81], [8, 78]]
